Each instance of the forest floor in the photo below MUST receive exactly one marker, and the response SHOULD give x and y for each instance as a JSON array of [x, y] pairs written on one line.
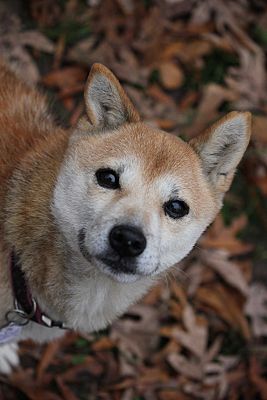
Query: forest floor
[[201, 333]]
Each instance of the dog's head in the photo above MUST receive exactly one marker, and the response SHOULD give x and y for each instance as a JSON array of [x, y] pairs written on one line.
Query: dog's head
[[133, 200]]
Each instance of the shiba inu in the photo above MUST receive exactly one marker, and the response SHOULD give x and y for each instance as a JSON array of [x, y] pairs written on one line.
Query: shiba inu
[[90, 218]]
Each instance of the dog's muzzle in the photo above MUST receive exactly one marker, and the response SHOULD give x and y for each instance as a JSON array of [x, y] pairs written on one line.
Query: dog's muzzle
[[126, 244]]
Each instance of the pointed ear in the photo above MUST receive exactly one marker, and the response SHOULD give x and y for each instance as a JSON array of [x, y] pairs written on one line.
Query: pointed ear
[[107, 105], [222, 146]]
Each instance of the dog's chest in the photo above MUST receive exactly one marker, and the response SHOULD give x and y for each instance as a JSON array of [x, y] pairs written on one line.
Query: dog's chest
[[92, 305]]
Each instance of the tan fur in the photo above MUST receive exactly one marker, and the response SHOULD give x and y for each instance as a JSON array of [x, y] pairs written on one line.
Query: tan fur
[[32, 148], [42, 165], [161, 153]]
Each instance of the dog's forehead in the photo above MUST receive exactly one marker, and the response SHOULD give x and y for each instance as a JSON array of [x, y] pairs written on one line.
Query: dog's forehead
[[158, 152]]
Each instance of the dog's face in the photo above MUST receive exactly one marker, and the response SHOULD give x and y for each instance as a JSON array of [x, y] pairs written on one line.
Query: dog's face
[[133, 200]]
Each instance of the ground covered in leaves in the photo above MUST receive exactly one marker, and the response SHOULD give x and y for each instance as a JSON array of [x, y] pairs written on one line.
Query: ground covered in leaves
[[201, 333]]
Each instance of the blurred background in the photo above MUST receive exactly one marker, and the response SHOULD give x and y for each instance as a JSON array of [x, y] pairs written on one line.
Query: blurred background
[[201, 333]]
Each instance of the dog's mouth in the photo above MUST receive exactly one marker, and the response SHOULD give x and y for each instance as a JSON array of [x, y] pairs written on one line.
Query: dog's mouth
[[118, 265]]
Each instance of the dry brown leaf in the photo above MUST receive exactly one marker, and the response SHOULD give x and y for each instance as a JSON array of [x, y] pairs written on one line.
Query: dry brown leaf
[[259, 129], [65, 390], [213, 96], [218, 260], [176, 309], [227, 23], [149, 376], [65, 77], [179, 292], [127, 6], [45, 13], [225, 305], [224, 237], [195, 275], [172, 395], [256, 308], [257, 378], [159, 95], [171, 347], [216, 374], [249, 80], [137, 332], [90, 364], [48, 355], [210, 373], [25, 381], [103, 344], [13, 44], [171, 75], [36, 40], [194, 338], [187, 52], [188, 367]]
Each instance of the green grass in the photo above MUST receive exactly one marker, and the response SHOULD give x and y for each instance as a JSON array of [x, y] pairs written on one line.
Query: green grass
[[81, 343], [216, 65], [78, 359], [72, 30], [259, 35], [215, 68], [154, 76], [233, 343]]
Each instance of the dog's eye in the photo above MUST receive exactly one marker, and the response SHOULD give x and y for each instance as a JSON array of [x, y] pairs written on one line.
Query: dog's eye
[[176, 208], [107, 178]]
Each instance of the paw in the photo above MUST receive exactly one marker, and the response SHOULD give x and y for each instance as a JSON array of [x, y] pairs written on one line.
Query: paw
[[8, 357]]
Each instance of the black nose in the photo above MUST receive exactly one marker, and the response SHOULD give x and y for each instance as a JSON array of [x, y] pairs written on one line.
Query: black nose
[[127, 241]]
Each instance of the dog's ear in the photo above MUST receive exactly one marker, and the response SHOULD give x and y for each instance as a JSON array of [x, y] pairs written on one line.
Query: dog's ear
[[221, 148], [107, 105]]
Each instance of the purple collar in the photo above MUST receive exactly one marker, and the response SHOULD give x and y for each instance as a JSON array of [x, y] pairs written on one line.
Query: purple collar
[[26, 308]]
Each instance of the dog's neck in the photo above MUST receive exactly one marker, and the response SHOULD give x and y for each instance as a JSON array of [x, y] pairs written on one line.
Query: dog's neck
[[28, 225]]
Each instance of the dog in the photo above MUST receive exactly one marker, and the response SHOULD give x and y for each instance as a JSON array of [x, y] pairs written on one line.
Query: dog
[[90, 218]]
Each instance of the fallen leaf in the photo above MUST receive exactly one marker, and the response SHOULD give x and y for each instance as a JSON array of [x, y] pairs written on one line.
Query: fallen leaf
[[13, 42], [213, 96], [225, 305], [194, 338], [171, 75], [48, 355], [65, 390], [103, 344], [172, 395], [24, 380], [218, 260], [259, 129], [256, 308], [187, 52], [137, 332], [224, 237], [37, 41], [65, 77], [257, 379]]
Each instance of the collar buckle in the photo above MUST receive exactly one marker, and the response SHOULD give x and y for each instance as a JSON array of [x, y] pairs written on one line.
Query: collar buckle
[[18, 316]]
